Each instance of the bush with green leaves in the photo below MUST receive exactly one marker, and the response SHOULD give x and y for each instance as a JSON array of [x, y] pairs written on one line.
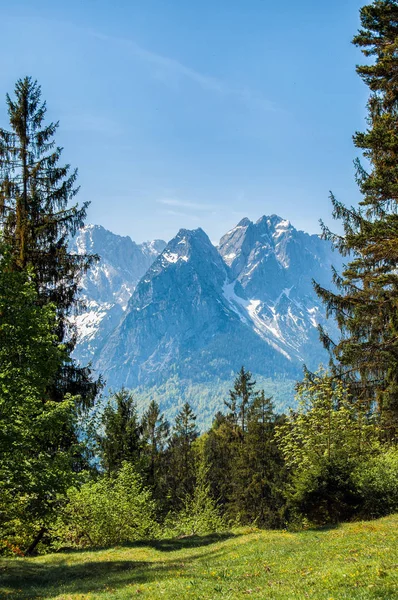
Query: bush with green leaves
[[325, 493], [36, 466], [377, 483], [108, 511]]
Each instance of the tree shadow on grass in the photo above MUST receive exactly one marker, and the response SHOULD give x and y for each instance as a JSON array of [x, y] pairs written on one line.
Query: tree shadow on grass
[[163, 545], [23, 579], [185, 543]]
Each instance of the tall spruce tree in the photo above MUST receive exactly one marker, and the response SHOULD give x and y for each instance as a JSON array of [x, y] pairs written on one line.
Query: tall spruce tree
[[155, 433], [240, 397], [366, 303], [222, 450], [245, 466], [120, 440], [181, 457], [37, 219], [262, 465]]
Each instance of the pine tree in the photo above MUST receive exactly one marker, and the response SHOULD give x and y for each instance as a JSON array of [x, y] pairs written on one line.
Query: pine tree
[[155, 433], [246, 466], [366, 303], [120, 440], [181, 457], [37, 219], [240, 397], [262, 465], [200, 512], [222, 450]]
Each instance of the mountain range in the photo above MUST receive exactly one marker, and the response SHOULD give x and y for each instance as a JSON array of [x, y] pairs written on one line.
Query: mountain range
[[176, 321]]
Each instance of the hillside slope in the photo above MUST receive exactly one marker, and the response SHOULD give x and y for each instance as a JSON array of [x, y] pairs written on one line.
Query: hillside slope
[[355, 561]]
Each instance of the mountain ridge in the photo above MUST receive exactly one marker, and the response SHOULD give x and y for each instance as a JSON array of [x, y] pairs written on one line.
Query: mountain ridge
[[198, 312]]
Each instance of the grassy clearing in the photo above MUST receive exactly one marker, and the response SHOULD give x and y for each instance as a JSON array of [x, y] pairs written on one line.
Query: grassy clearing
[[358, 560]]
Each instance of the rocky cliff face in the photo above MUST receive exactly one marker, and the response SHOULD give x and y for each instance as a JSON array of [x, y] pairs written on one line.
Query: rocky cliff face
[[275, 265], [108, 286]]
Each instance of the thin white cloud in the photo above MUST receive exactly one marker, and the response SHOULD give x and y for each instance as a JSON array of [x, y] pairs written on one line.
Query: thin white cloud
[[177, 213], [185, 204], [247, 96], [167, 65]]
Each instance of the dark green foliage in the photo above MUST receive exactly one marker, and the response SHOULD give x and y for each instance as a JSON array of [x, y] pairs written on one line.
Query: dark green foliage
[[325, 493], [246, 466], [239, 398], [200, 513], [35, 192], [263, 466], [37, 220], [181, 457], [120, 438], [365, 307], [155, 433], [221, 451]]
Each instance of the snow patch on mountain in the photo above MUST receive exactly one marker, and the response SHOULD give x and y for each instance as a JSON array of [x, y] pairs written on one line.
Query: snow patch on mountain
[[250, 311], [171, 257]]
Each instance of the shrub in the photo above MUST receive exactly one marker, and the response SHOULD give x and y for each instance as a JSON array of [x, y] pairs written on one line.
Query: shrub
[[377, 483], [323, 442], [199, 515], [109, 511], [325, 493]]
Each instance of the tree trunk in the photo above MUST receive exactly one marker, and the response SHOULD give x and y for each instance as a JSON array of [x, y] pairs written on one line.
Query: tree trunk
[[37, 539]]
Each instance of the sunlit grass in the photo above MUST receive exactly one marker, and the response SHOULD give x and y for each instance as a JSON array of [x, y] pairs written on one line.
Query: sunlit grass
[[354, 561]]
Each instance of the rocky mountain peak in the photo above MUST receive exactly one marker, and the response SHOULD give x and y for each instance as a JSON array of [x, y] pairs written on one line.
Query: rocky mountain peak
[[188, 257], [245, 222]]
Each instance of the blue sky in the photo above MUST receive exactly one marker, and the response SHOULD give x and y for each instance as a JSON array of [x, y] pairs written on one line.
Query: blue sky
[[195, 114]]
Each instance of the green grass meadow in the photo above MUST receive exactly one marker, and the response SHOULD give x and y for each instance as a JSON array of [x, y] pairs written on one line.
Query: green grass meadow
[[352, 561]]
